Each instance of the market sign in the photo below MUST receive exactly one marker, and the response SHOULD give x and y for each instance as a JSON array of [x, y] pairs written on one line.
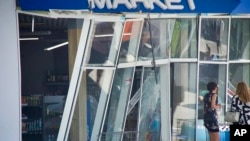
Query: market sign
[[145, 6]]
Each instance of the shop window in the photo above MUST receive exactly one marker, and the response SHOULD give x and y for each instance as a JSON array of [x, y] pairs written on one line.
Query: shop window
[[183, 100], [237, 72], [130, 41], [239, 39], [214, 39], [118, 103], [104, 44], [150, 106], [215, 73], [184, 38], [44, 75], [98, 84], [154, 39]]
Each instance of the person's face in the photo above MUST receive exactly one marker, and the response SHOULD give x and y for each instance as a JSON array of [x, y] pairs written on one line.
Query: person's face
[[216, 89]]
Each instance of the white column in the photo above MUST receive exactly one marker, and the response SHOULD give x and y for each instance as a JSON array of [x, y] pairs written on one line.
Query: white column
[[10, 119]]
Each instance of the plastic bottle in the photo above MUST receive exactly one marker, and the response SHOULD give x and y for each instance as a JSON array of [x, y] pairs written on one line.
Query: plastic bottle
[[49, 138], [53, 137]]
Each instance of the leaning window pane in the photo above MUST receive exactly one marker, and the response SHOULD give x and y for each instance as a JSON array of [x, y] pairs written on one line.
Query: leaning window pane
[[98, 82], [103, 46], [150, 113], [130, 41], [239, 39], [155, 39], [117, 107]]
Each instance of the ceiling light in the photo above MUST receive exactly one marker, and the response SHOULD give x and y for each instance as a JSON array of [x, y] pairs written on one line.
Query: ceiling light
[[36, 33], [25, 39], [33, 24], [56, 46]]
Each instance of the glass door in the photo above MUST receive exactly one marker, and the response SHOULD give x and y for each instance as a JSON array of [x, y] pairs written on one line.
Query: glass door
[[120, 66], [93, 72]]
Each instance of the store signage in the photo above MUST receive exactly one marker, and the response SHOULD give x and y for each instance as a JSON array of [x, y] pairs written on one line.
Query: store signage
[[152, 6], [147, 4]]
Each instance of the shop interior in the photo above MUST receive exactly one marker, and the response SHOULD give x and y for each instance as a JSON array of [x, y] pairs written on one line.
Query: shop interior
[[44, 73]]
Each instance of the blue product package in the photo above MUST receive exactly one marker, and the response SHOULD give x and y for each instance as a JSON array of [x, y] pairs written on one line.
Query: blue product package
[[224, 133]]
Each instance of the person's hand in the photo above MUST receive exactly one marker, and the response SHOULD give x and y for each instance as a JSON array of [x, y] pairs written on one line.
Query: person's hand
[[219, 106], [218, 109]]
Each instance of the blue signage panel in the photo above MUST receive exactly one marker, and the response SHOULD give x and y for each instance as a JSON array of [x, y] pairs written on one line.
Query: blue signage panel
[[152, 6], [45, 5]]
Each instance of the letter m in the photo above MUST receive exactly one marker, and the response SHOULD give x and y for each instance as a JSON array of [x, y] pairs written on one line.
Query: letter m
[[101, 3]]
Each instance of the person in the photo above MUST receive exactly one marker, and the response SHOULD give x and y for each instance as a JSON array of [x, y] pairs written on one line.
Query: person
[[241, 103], [149, 45], [210, 108]]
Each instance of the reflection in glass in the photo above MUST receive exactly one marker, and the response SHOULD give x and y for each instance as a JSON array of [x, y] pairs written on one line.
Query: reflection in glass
[[53, 106], [184, 39], [130, 41], [215, 73], [239, 39], [150, 113], [160, 31], [114, 120], [214, 39], [183, 100], [104, 44], [98, 82], [237, 72], [132, 112]]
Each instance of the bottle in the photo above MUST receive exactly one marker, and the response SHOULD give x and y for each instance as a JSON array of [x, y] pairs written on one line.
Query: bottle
[[48, 76], [53, 137], [40, 125], [49, 138]]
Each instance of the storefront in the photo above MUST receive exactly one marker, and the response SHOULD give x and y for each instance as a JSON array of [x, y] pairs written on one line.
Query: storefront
[[9, 83], [140, 68]]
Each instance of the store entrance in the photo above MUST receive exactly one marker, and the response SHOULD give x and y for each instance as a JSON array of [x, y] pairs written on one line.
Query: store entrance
[[45, 75], [132, 94]]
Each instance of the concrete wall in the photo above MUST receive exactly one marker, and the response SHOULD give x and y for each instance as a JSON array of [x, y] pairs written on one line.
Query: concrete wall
[[10, 122]]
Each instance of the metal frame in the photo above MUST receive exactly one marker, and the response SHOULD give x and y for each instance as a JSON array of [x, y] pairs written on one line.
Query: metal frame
[[198, 70], [123, 65], [80, 60], [74, 86], [164, 62]]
